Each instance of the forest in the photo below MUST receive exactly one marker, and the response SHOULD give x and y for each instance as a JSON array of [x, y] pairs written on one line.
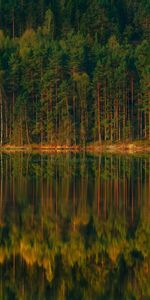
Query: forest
[[74, 72]]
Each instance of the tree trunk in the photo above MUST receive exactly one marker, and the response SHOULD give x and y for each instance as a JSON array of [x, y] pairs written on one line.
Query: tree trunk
[[1, 118], [98, 112], [13, 25], [132, 98]]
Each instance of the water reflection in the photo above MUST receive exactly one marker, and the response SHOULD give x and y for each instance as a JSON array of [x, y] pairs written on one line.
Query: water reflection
[[74, 226]]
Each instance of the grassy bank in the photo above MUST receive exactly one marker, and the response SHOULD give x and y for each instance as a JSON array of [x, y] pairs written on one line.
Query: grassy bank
[[41, 148], [127, 146]]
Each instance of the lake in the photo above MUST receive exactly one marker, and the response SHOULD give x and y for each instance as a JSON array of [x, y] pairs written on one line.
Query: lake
[[74, 226]]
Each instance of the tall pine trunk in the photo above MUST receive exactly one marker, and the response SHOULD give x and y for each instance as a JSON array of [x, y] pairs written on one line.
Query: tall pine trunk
[[1, 117], [98, 112]]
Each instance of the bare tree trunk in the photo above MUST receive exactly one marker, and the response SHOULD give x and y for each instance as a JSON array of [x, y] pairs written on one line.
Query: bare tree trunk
[[105, 112], [99, 189], [98, 112], [6, 118], [1, 118], [1, 186], [145, 125], [74, 119], [149, 125], [149, 116], [13, 25], [132, 99]]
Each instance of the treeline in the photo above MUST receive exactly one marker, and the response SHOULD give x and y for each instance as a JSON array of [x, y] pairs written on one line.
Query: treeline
[[73, 72]]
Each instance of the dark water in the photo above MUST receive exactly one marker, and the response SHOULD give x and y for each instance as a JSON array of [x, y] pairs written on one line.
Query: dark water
[[74, 226]]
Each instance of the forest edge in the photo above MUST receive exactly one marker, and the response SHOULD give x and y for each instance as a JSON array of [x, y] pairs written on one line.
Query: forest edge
[[126, 146]]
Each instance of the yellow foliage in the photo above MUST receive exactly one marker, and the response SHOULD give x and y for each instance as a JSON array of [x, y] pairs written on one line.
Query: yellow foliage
[[27, 41], [48, 268], [114, 250], [2, 255], [112, 42], [29, 253], [82, 219], [83, 77], [73, 252], [2, 38]]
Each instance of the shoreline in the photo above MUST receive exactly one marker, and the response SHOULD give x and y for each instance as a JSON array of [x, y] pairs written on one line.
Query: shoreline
[[126, 147], [121, 147]]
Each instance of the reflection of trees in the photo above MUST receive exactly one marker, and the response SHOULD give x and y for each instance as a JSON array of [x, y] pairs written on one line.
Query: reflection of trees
[[100, 267], [88, 254]]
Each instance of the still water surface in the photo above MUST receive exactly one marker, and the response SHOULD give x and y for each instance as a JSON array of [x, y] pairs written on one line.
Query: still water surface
[[74, 226]]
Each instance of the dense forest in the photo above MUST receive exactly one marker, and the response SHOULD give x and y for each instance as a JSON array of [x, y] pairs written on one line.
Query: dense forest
[[74, 71]]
